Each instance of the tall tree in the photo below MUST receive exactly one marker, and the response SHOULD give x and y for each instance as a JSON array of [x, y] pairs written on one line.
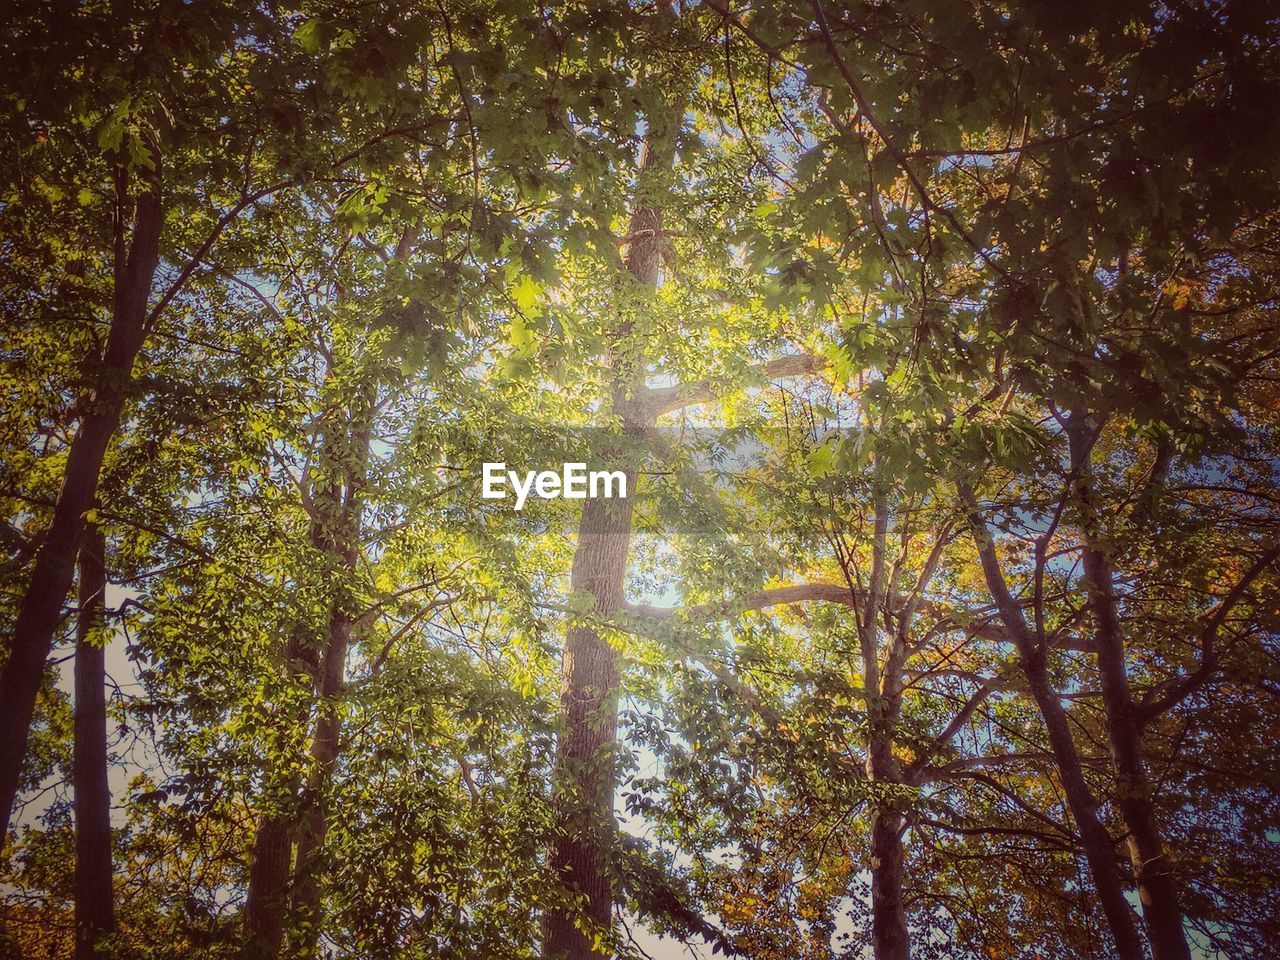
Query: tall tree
[[151, 133], [585, 774], [136, 257], [641, 338], [1152, 872], [935, 343], [95, 897]]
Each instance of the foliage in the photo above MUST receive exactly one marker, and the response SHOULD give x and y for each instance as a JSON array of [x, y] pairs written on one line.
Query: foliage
[[934, 278]]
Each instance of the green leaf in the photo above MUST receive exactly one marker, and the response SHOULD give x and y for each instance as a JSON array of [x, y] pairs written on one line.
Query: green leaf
[[526, 294]]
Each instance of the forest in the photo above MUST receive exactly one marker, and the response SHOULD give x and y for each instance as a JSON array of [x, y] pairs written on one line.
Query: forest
[[934, 346]]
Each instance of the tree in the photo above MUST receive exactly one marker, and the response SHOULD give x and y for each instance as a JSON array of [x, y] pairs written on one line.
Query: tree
[[95, 900], [934, 343], [175, 170], [986, 231]]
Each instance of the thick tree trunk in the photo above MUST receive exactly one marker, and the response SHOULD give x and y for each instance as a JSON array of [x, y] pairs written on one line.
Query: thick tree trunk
[[584, 771], [54, 566], [1094, 839], [95, 907], [1157, 888], [268, 894], [583, 780], [888, 913]]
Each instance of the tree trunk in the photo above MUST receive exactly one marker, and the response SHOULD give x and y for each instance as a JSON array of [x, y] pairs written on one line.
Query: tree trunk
[[94, 908], [583, 779], [267, 898], [888, 913], [1157, 888], [335, 530], [584, 774], [313, 825], [889, 938], [54, 566], [1094, 839]]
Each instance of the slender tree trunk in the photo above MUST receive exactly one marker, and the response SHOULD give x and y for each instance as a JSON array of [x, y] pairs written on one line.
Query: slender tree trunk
[[889, 938], [1157, 888], [584, 776], [335, 530], [313, 825], [270, 869], [54, 566], [1094, 839], [95, 908], [267, 900]]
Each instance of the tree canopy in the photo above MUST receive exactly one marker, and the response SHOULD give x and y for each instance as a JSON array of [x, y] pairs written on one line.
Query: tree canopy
[[933, 343]]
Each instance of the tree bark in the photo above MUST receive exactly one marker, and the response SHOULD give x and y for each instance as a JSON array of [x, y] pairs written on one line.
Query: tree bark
[[267, 900], [313, 825], [583, 779], [889, 936], [889, 939], [1095, 841], [94, 906], [1157, 887], [584, 775], [54, 567]]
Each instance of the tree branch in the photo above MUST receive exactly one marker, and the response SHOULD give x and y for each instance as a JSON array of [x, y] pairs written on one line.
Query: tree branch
[[961, 718], [796, 593], [1153, 705], [656, 402]]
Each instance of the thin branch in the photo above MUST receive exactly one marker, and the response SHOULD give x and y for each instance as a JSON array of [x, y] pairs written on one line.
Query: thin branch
[[1210, 656]]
